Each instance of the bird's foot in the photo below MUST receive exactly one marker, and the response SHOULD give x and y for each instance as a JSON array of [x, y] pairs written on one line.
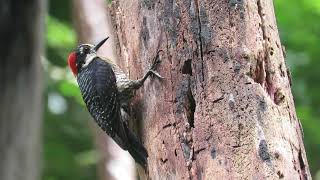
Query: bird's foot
[[155, 73]]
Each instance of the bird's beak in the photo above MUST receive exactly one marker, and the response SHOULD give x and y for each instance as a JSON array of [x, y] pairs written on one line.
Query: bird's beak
[[96, 47]]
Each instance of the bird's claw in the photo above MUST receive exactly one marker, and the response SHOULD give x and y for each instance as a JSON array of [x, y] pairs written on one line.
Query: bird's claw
[[155, 73]]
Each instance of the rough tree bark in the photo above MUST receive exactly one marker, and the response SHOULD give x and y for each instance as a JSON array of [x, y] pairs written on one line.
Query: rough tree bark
[[225, 109], [92, 25], [21, 35]]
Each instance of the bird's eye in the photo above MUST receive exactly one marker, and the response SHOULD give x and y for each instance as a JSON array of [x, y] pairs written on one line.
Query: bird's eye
[[86, 50]]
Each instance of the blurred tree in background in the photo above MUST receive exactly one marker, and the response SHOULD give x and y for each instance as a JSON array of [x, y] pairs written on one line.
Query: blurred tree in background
[[69, 152], [21, 50], [68, 147]]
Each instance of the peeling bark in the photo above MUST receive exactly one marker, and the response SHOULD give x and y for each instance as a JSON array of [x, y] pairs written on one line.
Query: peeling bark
[[225, 109]]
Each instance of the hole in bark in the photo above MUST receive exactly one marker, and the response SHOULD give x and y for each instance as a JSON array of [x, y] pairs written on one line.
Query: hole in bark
[[258, 72], [279, 97], [175, 153], [280, 174], [271, 53], [187, 67], [191, 108]]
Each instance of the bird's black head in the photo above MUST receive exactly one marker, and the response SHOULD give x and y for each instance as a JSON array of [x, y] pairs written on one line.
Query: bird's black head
[[83, 55]]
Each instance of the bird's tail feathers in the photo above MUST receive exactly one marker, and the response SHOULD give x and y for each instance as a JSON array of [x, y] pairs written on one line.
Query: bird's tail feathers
[[136, 149]]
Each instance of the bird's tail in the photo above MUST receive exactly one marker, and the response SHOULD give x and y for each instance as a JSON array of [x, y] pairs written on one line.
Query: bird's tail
[[136, 149]]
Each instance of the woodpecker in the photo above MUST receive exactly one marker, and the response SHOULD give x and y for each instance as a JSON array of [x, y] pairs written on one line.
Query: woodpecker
[[106, 92]]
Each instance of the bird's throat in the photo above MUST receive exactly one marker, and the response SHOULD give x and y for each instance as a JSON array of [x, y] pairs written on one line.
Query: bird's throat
[[89, 59]]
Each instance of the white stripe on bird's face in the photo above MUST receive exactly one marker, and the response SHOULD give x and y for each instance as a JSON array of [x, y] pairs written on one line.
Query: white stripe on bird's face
[[89, 59]]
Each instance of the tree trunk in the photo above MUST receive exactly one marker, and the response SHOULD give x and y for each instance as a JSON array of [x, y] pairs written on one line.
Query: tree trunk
[[21, 88], [225, 108], [92, 25]]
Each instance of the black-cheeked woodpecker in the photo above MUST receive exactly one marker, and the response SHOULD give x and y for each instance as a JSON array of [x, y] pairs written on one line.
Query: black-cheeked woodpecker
[[106, 90]]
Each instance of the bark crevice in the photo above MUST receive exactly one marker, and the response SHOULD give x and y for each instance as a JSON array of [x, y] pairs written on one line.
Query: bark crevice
[[264, 71], [303, 173], [191, 107], [200, 41], [187, 67]]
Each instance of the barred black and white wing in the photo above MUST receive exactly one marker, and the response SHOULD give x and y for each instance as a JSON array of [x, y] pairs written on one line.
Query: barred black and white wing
[[97, 84]]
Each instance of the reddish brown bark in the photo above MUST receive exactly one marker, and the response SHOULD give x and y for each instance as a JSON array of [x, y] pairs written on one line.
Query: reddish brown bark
[[225, 109]]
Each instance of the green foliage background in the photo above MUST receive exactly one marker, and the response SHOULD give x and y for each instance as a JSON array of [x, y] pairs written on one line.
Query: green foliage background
[[299, 27], [68, 148]]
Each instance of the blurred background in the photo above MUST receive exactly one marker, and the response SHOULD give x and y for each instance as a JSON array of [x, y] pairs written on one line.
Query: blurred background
[[69, 150]]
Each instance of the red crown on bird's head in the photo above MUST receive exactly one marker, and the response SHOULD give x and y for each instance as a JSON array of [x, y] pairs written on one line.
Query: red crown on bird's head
[[72, 58], [72, 63]]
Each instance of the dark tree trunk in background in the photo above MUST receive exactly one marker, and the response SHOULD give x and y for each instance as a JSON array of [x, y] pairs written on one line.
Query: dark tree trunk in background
[[92, 25], [225, 109], [21, 35]]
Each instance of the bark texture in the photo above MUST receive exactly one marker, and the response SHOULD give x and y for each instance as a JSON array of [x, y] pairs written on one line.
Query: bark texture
[[225, 109], [92, 25], [21, 35]]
